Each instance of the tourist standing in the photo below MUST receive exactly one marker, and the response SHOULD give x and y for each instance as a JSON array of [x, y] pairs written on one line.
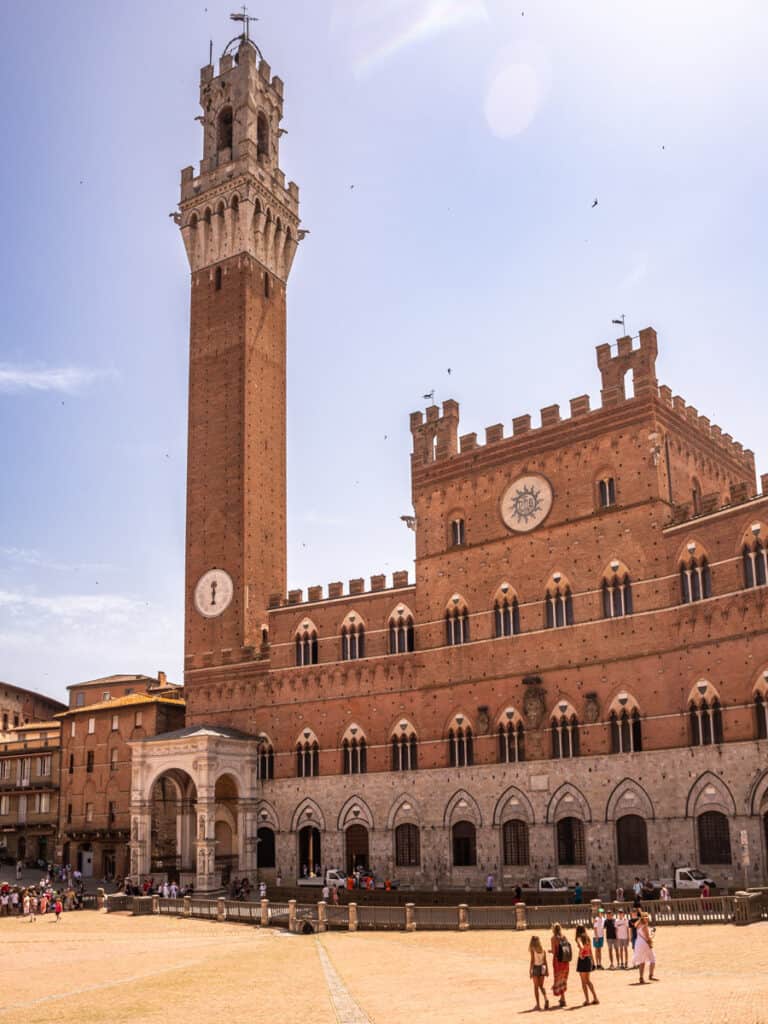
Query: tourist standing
[[584, 968], [538, 969], [634, 920], [57, 907], [326, 892], [611, 939], [598, 928], [578, 893], [619, 893], [622, 939], [561, 962], [644, 953], [489, 883], [664, 892]]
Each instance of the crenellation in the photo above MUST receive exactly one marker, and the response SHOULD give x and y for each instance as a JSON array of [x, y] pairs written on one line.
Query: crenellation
[[357, 586], [521, 425], [400, 578], [295, 596], [550, 415], [665, 394], [764, 483], [467, 442], [579, 406], [335, 589], [315, 593], [206, 74], [378, 582], [494, 433]]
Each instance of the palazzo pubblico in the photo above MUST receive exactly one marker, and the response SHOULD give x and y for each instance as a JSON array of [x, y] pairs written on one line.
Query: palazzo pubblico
[[575, 682]]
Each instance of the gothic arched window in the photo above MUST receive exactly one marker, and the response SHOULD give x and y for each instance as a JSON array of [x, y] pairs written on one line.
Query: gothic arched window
[[755, 561], [506, 612], [354, 752], [306, 644], [307, 755], [401, 638], [457, 622], [706, 716], [695, 577], [559, 603], [262, 135], [617, 592], [352, 638], [460, 743], [761, 714], [606, 492], [626, 726], [511, 737], [405, 749], [265, 766], [565, 732]]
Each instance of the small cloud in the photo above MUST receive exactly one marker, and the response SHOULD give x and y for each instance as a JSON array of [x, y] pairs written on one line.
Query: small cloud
[[71, 606], [34, 559], [379, 29], [65, 379]]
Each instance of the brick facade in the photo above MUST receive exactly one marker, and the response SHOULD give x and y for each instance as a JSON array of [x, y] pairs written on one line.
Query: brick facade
[[582, 636]]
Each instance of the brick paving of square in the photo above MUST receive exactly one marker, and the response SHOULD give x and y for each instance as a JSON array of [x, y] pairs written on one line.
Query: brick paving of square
[[95, 967]]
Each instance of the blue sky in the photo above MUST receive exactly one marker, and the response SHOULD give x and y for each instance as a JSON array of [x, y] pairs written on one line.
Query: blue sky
[[477, 134]]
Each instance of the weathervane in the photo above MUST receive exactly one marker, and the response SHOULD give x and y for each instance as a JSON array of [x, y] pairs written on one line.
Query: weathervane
[[246, 19]]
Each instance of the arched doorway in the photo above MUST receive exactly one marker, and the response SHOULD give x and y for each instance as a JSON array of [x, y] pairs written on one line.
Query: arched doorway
[[310, 851], [356, 839], [173, 802], [225, 829], [266, 852], [464, 844], [85, 860]]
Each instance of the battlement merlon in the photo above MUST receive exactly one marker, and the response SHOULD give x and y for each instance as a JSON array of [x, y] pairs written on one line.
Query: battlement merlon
[[640, 362], [437, 437]]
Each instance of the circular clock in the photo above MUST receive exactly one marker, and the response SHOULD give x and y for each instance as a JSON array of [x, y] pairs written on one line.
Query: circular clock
[[213, 593], [526, 503]]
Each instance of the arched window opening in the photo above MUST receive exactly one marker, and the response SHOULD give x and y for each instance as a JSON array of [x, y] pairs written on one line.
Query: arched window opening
[[266, 847], [606, 492], [354, 752], [464, 844], [407, 846], [217, 279], [714, 838], [696, 496], [265, 766], [626, 731], [207, 216], [571, 848], [559, 604], [460, 743], [515, 842], [352, 639], [405, 750], [761, 714], [401, 636], [565, 735], [506, 613], [511, 735], [631, 840], [306, 644], [706, 716], [267, 286], [224, 129], [695, 579], [307, 756], [755, 559], [235, 205], [617, 596], [456, 622], [458, 535], [262, 135]]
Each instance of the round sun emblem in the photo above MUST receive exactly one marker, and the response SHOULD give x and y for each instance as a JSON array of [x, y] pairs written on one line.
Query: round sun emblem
[[526, 503]]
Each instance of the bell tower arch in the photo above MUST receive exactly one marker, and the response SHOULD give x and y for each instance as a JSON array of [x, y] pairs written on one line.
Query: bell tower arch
[[240, 225]]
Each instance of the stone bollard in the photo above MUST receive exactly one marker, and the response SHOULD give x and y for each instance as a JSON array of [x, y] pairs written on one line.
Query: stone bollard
[[521, 922], [353, 917], [291, 915], [186, 910], [264, 914], [322, 917], [221, 910], [155, 904], [410, 918], [463, 917]]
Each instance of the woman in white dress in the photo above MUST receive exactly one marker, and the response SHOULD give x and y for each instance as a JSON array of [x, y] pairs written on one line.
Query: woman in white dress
[[644, 950]]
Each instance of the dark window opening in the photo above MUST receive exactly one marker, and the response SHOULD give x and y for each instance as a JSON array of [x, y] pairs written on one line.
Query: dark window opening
[[407, 846], [89, 761], [262, 135], [457, 626], [506, 617], [460, 747], [217, 279], [464, 844], [266, 847], [354, 757], [401, 639], [405, 753], [607, 492], [511, 742], [570, 842], [515, 842], [559, 608], [626, 733], [224, 129], [632, 840], [266, 768], [714, 838], [458, 536], [565, 737]]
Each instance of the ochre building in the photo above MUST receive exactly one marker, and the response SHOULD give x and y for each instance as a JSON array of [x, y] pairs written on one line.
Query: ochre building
[[575, 680]]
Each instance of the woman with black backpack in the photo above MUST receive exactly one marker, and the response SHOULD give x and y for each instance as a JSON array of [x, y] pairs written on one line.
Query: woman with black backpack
[[562, 954]]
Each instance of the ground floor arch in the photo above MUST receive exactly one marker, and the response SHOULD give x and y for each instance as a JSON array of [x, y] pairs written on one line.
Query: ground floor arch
[[357, 848]]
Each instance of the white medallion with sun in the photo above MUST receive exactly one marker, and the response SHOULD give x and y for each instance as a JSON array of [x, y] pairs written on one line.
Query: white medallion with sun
[[525, 504]]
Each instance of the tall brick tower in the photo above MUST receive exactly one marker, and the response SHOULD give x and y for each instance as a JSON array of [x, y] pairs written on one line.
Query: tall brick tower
[[240, 225]]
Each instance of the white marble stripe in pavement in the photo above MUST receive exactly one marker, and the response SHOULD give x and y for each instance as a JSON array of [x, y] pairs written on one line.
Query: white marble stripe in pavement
[[346, 1009]]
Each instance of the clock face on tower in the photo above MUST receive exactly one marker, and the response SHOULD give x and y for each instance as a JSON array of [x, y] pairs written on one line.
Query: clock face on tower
[[213, 593], [526, 503]]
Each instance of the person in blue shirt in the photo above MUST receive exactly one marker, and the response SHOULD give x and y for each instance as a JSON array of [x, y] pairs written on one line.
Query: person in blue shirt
[[578, 893]]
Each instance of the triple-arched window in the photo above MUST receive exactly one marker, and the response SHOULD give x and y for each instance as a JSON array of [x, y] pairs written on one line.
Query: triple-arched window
[[558, 603], [511, 737], [307, 755], [401, 639], [306, 644], [354, 752], [265, 763], [617, 592], [695, 577], [706, 716], [352, 638], [405, 748], [506, 612], [755, 558], [626, 728], [461, 752], [457, 621], [565, 732]]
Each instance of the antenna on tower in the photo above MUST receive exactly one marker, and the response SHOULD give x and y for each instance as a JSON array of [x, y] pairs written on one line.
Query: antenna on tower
[[210, 51]]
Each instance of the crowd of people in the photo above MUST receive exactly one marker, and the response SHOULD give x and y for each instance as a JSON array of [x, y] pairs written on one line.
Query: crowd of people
[[618, 931], [58, 890]]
